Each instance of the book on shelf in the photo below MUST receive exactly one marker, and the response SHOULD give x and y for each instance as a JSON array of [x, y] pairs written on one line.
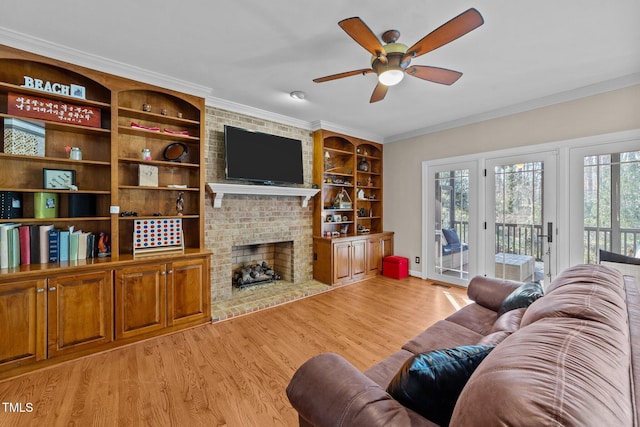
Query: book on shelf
[[34, 240], [82, 245], [4, 242], [25, 244], [13, 235], [63, 246], [73, 245], [44, 243], [54, 243], [91, 245]]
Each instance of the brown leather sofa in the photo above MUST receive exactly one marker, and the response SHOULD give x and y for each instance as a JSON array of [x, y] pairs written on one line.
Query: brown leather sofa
[[572, 358]]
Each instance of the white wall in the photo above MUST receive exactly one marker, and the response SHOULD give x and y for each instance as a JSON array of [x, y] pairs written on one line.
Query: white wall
[[608, 112]]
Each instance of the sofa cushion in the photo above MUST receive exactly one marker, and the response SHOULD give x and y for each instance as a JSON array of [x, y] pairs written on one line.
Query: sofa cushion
[[494, 338], [451, 236], [442, 334], [475, 317], [554, 372], [593, 293], [430, 383], [509, 321], [384, 371], [522, 297]]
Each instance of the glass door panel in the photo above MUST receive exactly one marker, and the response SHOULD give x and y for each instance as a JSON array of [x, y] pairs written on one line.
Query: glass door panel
[[520, 228], [451, 223], [611, 200]]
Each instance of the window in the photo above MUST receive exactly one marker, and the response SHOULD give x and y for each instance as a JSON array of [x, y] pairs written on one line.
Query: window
[[611, 204]]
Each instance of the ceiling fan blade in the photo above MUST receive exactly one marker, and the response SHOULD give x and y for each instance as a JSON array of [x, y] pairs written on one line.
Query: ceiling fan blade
[[362, 71], [379, 93], [362, 34], [446, 33], [434, 74]]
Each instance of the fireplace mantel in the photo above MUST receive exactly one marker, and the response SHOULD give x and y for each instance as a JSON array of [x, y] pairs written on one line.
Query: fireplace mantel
[[220, 189]]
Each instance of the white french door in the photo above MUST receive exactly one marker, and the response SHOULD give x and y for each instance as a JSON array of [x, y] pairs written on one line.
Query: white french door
[[520, 232], [451, 243]]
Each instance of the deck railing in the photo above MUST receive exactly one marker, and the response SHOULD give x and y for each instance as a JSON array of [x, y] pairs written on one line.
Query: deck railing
[[524, 239], [596, 238]]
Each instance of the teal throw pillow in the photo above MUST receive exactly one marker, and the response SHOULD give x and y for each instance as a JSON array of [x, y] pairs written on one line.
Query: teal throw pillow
[[521, 297], [430, 383]]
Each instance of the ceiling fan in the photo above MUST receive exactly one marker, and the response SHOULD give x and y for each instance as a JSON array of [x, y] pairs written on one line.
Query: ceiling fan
[[391, 61]]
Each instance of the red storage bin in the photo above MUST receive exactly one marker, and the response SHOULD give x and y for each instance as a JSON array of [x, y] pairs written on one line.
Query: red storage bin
[[396, 267]]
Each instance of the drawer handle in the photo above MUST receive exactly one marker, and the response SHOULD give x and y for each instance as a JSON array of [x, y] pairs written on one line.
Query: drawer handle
[[170, 272], [41, 290], [51, 289]]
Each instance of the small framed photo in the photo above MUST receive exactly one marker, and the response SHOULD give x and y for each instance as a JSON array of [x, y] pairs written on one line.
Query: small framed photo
[[61, 179], [337, 218]]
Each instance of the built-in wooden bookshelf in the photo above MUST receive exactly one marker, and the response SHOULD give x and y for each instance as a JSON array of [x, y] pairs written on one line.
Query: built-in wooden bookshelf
[[44, 322], [349, 241]]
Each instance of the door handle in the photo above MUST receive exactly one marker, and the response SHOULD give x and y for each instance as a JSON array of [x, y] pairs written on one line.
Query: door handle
[[549, 232]]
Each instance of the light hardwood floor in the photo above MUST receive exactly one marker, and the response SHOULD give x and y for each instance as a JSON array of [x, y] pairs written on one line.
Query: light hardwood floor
[[231, 373]]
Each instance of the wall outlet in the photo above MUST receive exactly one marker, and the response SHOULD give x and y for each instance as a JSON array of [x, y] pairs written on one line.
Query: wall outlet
[[417, 260]]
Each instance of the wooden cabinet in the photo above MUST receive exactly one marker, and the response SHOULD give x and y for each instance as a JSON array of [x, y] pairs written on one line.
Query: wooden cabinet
[[140, 300], [378, 247], [80, 312], [47, 318], [23, 326], [350, 168], [54, 311], [349, 242], [153, 297], [349, 259], [188, 292]]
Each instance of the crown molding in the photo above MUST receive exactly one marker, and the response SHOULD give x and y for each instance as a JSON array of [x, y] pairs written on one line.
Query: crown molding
[[357, 133], [223, 104], [558, 98], [63, 53]]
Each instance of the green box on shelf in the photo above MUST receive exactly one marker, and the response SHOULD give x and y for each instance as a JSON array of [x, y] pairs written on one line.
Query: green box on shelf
[[45, 205]]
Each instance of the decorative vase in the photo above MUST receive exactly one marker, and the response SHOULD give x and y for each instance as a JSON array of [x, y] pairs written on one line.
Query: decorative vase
[[363, 165]]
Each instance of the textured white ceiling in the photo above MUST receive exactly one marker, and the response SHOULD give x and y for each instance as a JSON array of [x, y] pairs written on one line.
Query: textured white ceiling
[[253, 53]]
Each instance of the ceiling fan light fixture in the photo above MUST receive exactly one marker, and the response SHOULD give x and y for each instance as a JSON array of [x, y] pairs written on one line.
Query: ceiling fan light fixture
[[391, 76]]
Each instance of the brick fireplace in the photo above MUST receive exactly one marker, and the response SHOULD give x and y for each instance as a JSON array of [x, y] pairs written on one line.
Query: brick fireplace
[[251, 219], [257, 221], [278, 255]]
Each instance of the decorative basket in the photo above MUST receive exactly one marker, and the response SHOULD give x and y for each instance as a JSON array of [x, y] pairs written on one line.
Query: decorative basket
[[24, 138]]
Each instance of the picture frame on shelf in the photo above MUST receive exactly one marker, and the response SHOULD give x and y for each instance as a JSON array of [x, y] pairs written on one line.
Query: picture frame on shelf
[[58, 179]]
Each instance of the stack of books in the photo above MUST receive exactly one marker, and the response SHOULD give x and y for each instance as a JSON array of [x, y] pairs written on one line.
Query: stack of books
[[43, 244]]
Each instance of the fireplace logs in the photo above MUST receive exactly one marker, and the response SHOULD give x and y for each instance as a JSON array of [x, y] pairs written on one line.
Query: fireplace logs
[[254, 274]]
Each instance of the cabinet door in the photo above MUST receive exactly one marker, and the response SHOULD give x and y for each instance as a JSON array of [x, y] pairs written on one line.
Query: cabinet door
[[188, 291], [23, 323], [140, 300], [374, 255], [79, 312], [387, 246], [341, 262], [359, 259]]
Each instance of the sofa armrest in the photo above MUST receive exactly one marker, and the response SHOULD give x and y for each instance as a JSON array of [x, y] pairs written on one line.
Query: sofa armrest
[[329, 391], [489, 292]]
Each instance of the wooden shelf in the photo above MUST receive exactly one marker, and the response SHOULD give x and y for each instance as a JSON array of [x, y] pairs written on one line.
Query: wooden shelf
[[157, 134], [163, 163], [8, 87], [53, 160], [65, 127]]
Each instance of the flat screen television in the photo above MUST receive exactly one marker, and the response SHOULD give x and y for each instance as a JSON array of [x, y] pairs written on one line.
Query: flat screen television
[[262, 157]]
